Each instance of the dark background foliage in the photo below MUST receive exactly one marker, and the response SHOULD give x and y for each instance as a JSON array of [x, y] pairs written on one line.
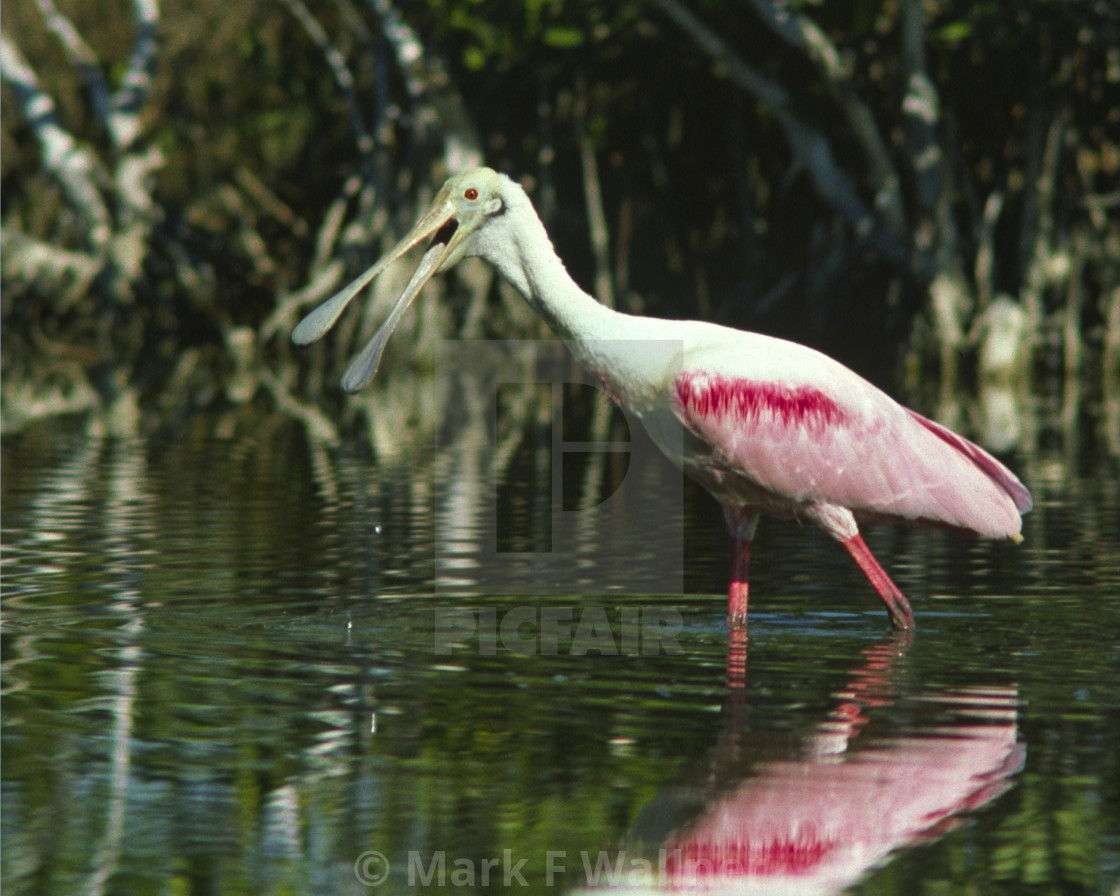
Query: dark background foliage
[[709, 170]]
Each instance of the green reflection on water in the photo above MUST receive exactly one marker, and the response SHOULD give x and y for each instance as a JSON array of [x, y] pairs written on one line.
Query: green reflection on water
[[221, 675]]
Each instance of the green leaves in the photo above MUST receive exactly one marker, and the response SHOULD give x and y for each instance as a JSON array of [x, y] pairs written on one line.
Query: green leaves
[[504, 35]]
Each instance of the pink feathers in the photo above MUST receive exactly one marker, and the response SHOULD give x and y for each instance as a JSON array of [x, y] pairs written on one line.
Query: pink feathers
[[717, 396], [781, 447], [999, 474]]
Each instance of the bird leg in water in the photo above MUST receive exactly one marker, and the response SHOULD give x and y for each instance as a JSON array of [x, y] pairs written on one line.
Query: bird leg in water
[[737, 585], [897, 605], [741, 525], [840, 524]]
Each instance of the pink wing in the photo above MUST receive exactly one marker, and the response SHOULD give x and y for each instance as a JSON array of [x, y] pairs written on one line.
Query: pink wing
[[846, 443]]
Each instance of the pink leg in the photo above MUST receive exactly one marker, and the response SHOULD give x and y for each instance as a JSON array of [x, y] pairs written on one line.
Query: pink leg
[[737, 588], [897, 606], [840, 524], [741, 525]]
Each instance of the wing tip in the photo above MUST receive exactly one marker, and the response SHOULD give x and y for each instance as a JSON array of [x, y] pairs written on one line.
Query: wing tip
[[996, 471]]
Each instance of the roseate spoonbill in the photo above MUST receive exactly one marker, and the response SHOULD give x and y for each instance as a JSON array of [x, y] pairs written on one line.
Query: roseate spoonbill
[[767, 426]]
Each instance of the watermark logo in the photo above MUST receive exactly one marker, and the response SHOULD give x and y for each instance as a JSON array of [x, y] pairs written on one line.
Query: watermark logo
[[601, 868], [533, 501], [551, 631], [372, 868]]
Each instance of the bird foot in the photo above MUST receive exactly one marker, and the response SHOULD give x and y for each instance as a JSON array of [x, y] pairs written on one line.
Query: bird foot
[[902, 619]]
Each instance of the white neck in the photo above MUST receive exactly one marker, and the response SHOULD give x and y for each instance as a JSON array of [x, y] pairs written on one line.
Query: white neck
[[632, 354], [516, 243]]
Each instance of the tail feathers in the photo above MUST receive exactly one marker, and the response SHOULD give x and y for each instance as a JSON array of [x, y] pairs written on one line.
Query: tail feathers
[[996, 471]]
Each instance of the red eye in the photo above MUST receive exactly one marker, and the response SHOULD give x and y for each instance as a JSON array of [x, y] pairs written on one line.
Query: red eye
[[471, 193]]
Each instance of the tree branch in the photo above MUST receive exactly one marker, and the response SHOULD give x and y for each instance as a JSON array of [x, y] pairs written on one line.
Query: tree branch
[[809, 146], [76, 169], [593, 196], [66, 274], [126, 103], [81, 55], [337, 63], [429, 85], [802, 33]]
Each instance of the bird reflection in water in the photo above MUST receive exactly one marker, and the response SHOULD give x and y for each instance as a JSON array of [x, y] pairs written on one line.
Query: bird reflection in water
[[817, 821]]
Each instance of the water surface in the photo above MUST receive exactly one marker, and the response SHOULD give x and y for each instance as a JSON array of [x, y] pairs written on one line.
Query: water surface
[[255, 664]]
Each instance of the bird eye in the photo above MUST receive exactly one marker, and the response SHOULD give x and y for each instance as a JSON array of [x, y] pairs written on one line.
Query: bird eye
[[471, 193]]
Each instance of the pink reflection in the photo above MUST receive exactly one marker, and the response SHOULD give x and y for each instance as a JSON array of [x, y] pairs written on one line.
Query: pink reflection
[[816, 823]]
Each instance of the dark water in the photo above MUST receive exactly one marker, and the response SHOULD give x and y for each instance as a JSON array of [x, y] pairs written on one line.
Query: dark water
[[253, 665]]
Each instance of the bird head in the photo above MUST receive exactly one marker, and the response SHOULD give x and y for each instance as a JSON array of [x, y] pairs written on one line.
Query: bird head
[[461, 208]]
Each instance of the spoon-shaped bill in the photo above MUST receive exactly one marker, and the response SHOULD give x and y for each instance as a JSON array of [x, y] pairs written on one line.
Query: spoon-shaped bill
[[364, 366], [324, 317]]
